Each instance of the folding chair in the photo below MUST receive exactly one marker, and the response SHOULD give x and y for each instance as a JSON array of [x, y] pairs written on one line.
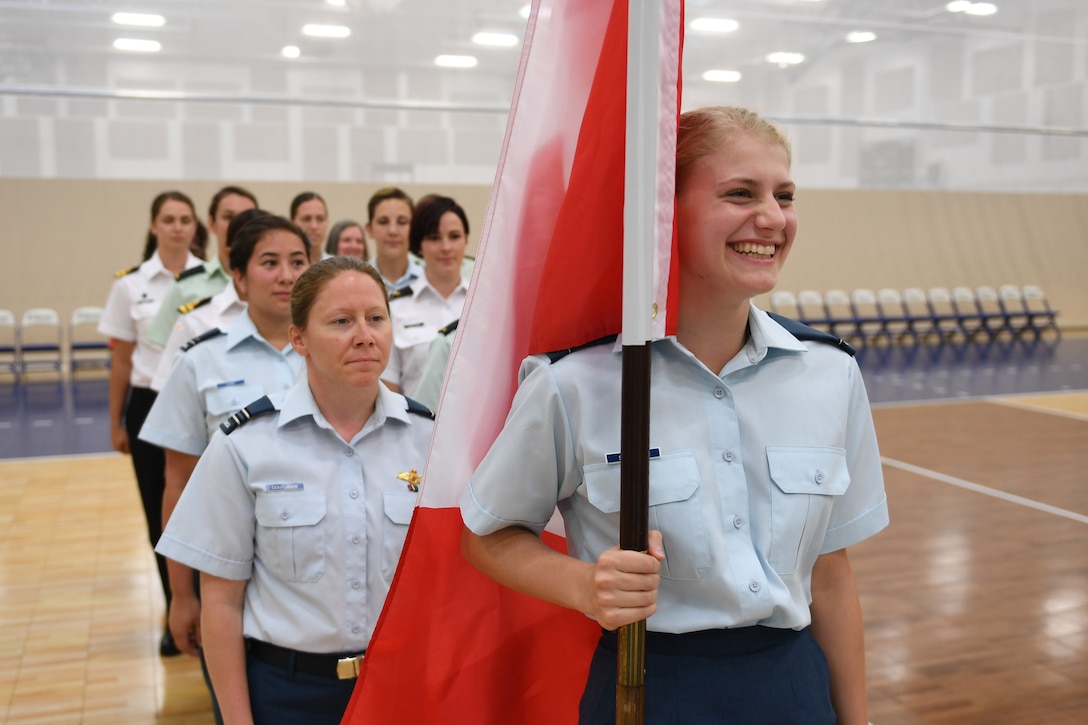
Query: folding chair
[[1040, 316], [870, 323], [87, 347], [1011, 300], [785, 304], [9, 343], [968, 315], [840, 315], [923, 323], [897, 324], [993, 313], [943, 313], [40, 339], [811, 310]]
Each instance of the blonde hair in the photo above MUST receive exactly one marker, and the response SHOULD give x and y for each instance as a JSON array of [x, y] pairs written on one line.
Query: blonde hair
[[705, 131]]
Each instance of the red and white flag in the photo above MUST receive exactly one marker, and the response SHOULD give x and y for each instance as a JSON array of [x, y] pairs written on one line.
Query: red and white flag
[[451, 643]]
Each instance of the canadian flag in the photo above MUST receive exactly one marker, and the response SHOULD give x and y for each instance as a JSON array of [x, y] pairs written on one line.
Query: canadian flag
[[451, 644]]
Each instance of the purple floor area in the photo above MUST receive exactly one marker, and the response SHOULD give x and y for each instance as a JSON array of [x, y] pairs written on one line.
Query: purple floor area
[[43, 417]]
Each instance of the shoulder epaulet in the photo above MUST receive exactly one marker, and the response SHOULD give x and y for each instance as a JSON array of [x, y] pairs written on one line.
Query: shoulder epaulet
[[558, 355], [804, 332], [450, 328], [214, 332], [128, 270], [187, 273], [417, 408], [398, 293], [251, 411], [190, 306]]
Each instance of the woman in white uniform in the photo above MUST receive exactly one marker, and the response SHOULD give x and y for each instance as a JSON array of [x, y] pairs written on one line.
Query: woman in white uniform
[[763, 468], [439, 234], [221, 371], [133, 302], [297, 511]]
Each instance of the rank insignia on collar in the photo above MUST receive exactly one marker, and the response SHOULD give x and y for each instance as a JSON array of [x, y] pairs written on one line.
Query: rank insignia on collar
[[413, 478]]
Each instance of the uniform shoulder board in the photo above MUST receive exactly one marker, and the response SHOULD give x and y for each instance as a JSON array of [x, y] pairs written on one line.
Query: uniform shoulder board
[[417, 408], [398, 293], [251, 411], [558, 355], [450, 328], [214, 332], [128, 270], [804, 332], [186, 274], [190, 306]]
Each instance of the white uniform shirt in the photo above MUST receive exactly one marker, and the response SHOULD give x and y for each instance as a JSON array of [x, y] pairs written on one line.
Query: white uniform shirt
[[215, 379], [413, 272], [417, 318], [133, 302], [316, 524], [754, 471], [222, 310]]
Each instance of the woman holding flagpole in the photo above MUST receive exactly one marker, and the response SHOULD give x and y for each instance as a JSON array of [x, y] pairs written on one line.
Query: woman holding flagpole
[[763, 468], [298, 509]]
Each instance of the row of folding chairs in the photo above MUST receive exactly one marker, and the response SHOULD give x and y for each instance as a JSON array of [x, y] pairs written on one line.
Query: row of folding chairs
[[914, 315], [37, 340]]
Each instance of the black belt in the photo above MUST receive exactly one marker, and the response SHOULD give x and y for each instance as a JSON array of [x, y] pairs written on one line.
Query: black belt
[[333, 666]]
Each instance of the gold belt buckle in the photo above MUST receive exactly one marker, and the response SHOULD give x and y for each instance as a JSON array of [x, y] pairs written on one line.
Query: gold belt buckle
[[347, 668]]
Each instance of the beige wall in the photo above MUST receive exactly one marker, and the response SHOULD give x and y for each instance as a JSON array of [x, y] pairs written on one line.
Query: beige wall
[[64, 239]]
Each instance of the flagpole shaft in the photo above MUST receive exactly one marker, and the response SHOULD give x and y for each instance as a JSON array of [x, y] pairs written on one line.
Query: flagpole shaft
[[634, 520]]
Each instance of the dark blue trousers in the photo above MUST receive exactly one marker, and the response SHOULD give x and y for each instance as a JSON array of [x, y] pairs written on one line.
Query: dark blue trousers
[[748, 676], [280, 696]]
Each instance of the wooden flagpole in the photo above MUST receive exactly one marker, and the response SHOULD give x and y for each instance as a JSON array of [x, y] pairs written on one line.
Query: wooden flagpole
[[639, 232]]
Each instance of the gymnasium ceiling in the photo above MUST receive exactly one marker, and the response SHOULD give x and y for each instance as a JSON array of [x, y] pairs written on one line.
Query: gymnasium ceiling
[[38, 37]]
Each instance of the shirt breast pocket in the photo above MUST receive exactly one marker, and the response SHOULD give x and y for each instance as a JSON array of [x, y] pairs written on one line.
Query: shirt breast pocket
[[398, 514], [806, 481], [675, 510], [231, 398], [290, 534]]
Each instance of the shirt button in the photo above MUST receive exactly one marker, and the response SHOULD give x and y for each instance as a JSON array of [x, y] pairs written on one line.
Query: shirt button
[[737, 522], [728, 456], [355, 584], [819, 477], [284, 515], [349, 452], [354, 493], [754, 586], [719, 393], [355, 539], [355, 628]]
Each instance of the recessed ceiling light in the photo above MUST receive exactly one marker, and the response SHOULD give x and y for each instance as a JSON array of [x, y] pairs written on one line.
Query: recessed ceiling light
[[958, 6], [326, 31], [860, 36], [291, 51], [722, 76], [455, 61], [143, 20], [525, 11], [501, 40], [714, 25], [981, 9], [138, 46], [783, 58]]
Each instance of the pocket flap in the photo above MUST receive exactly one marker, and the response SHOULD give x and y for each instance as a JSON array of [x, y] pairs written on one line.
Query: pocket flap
[[232, 398], [809, 469], [399, 507], [673, 477], [290, 508]]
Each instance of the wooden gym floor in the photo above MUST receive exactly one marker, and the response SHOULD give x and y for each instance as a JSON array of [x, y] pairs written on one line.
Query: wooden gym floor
[[975, 598]]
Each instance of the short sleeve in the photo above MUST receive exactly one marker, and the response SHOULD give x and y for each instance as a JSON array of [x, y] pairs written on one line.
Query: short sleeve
[[117, 319], [177, 419]]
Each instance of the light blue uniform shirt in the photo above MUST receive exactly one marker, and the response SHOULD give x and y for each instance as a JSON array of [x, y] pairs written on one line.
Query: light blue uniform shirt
[[754, 471], [316, 524], [214, 379]]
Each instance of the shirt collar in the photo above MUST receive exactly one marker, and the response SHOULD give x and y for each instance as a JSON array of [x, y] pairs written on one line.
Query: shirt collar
[[421, 286], [154, 266], [299, 402], [214, 268], [413, 272], [227, 298]]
